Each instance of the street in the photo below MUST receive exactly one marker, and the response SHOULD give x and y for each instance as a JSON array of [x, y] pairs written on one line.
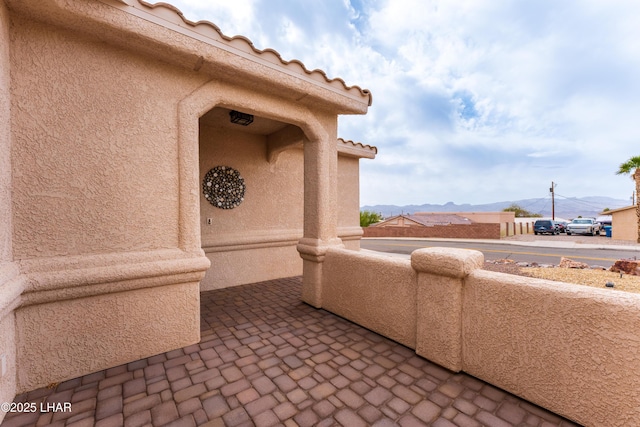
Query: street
[[526, 251]]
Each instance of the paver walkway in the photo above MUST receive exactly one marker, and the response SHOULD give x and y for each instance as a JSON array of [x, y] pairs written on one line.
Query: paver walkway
[[267, 359]]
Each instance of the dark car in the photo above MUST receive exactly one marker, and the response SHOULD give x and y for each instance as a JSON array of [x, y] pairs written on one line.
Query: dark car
[[562, 226], [544, 226]]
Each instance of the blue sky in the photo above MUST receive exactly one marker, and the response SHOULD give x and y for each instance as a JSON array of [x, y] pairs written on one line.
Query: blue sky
[[474, 101]]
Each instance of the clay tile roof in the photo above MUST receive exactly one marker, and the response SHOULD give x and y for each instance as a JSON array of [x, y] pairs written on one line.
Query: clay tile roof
[[356, 149], [208, 29], [438, 219], [426, 220]]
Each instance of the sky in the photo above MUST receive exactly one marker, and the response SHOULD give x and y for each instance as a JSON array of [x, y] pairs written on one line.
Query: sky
[[474, 101]]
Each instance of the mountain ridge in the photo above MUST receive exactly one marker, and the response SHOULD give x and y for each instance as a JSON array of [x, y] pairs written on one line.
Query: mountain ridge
[[567, 208]]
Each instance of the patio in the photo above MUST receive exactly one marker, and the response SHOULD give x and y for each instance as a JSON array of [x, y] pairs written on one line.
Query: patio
[[266, 359]]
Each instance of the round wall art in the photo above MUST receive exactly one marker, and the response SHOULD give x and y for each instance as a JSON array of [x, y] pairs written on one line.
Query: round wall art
[[223, 187]]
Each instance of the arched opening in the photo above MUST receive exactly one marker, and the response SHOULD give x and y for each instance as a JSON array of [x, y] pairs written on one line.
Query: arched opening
[[243, 249], [251, 198]]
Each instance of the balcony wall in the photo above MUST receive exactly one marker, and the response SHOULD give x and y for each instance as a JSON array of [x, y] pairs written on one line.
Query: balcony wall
[[569, 348]]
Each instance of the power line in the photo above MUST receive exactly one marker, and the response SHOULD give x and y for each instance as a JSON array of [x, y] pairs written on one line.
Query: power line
[[535, 201], [574, 199], [544, 206]]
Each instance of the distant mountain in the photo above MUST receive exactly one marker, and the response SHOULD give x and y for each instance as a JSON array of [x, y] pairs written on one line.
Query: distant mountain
[[566, 208]]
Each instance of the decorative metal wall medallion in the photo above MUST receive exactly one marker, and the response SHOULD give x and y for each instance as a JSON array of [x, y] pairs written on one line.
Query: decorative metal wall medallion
[[223, 187]]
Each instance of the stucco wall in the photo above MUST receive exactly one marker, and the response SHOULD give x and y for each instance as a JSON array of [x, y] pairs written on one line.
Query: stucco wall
[[247, 265], [349, 201], [375, 291], [5, 139], [8, 271], [257, 240], [95, 171], [80, 332], [95, 153], [7, 344], [625, 224], [105, 213], [572, 349]]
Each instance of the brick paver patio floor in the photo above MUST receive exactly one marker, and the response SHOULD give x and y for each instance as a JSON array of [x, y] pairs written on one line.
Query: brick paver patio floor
[[267, 359]]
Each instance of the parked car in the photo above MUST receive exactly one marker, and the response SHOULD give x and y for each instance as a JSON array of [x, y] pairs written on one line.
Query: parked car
[[545, 226], [562, 226], [583, 226]]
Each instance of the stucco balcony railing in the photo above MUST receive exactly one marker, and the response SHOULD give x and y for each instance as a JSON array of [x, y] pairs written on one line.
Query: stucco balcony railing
[[572, 349]]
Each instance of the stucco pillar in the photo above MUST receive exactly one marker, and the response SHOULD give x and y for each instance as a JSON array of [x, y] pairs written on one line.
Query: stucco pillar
[[11, 283], [320, 212], [441, 275]]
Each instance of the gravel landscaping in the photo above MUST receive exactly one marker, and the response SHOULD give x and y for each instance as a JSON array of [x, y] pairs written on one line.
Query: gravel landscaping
[[589, 277]]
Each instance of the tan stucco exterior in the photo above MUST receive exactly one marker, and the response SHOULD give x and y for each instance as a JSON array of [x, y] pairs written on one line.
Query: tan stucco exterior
[[572, 349], [11, 285], [624, 223], [111, 113], [257, 241]]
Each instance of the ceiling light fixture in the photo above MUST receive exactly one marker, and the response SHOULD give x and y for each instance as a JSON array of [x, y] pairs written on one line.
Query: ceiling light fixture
[[239, 118]]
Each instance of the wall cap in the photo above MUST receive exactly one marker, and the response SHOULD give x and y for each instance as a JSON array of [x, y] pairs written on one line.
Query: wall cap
[[450, 262]]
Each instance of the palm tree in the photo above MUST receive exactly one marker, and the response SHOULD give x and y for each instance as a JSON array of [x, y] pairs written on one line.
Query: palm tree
[[632, 167]]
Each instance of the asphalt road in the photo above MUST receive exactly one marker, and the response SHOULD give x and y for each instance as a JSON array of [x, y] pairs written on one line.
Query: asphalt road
[[604, 257]]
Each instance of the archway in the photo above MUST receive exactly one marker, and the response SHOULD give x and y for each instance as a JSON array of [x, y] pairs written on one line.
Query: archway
[[251, 197], [318, 132]]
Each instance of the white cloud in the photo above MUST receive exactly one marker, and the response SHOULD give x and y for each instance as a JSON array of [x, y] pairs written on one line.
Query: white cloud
[[473, 100]]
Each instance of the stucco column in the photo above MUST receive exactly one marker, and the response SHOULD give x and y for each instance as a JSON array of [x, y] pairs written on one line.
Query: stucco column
[[320, 211], [441, 275], [11, 283]]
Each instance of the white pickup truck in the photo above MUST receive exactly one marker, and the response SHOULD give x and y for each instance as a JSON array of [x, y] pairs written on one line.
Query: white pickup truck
[[583, 226]]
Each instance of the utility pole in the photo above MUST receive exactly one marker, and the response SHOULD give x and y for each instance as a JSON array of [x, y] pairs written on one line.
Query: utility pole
[[553, 204]]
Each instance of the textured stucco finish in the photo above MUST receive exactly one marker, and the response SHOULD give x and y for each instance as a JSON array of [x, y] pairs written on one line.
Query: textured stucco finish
[[85, 313], [572, 349], [569, 348], [375, 291], [449, 262], [89, 334], [8, 349], [89, 178], [255, 241], [102, 229], [232, 268], [5, 140], [274, 196], [624, 224], [287, 189], [349, 197], [441, 273], [10, 289]]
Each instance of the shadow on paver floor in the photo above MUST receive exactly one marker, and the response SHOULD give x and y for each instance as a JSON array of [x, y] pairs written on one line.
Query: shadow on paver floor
[[267, 359]]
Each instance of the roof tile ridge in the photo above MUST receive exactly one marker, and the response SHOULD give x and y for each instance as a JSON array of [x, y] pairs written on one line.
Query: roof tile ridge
[[194, 25], [359, 144]]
